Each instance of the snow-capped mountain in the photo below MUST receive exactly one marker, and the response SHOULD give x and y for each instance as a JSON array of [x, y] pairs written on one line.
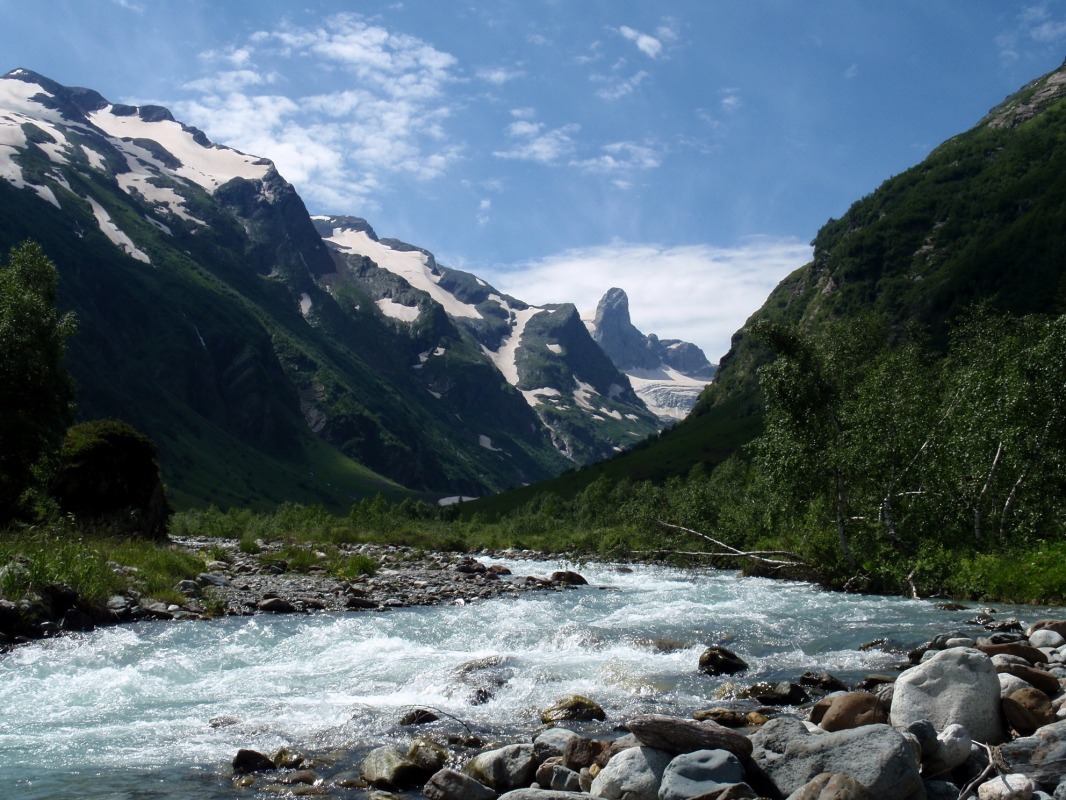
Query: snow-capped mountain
[[273, 357], [667, 374]]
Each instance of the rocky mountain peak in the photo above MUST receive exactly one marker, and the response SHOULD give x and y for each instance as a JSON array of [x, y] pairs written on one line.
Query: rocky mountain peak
[[614, 331]]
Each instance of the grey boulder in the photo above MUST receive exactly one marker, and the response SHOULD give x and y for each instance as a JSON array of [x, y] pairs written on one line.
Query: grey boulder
[[507, 768], [633, 774], [698, 773]]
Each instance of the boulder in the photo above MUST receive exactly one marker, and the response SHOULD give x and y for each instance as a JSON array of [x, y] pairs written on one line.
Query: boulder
[[1041, 756], [1038, 678], [553, 775], [1057, 625], [429, 755], [388, 768], [955, 686], [568, 578], [952, 749], [852, 710], [822, 681], [248, 761], [723, 716], [573, 707], [633, 774], [721, 661], [832, 786], [417, 716], [1028, 709], [1017, 649], [781, 693], [1006, 787], [582, 752], [876, 756], [447, 784], [1009, 684], [1046, 637], [275, 605], [675, 736], [698, 773], [538, 794], [551, 742], [506, 768]]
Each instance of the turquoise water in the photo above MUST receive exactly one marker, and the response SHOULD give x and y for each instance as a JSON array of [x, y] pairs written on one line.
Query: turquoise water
[[126, 712]]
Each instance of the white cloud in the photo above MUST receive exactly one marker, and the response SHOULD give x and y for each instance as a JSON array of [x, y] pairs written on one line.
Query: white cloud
[[730, 100], [338, 148], [523, 113], [698, 293], [646, 43], [536, 143], [498, 76], [852, 72], [622, 156], [617, 87]]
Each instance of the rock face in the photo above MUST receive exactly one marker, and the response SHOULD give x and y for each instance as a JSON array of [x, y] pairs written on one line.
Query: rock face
[[958, 685], [700, 772], [1041, 756], [876, 756]]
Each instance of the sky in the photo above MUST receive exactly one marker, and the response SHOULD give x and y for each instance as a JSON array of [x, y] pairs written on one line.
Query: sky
[[686, 151]]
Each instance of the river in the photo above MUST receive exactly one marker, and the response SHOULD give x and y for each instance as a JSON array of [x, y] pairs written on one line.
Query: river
[[156, 710]]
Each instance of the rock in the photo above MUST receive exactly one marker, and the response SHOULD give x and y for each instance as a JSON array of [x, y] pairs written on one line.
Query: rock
[[823, 681], [1006, 787], [941, 790], [956, 686], [781, 693], [925, 734], [248, 761], [1028, 709], [720, 661], [633, 774], [852, 710], [213, 579], [832, 786], [953, 746], [1045, 637], [509, 767], [582, 752], [694, 774], [573, 707], [275, 605], [1009, 684], [723, 716], [539, 794], [568, 578], [553, 775], [552, 742], [876, 756], [447, 784], [1017, 649], [675, 736], [429, 755], [1056, 625], [388, 768], [76, 620], [1038, 678], [287, 759], [1041, 756], [418, 716], [189, 588]]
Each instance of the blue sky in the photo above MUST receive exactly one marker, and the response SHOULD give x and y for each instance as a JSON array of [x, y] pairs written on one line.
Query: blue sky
[[684, 150]]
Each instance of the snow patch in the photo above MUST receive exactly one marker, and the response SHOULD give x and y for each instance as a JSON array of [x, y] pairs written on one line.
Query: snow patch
[[158, 225], [536, 397], [390, 308], [115, 234], [555, 348], [667, 393], [505, 358], [486, 442], [583, 393], [411, 265], [305, 304], [451, 501]]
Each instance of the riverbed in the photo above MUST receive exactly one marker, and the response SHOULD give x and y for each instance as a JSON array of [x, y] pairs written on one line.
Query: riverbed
[[158, 709]]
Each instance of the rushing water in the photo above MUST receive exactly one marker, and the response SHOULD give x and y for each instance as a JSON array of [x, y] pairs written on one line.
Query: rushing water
[[126, 712]]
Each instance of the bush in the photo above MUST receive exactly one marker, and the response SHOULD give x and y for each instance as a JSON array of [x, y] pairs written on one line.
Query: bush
[[108, 474]]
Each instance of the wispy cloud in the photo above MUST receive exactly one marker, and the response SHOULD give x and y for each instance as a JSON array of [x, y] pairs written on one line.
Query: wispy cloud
[[498, 76], [730, 100], [1034, 24], [698, 293], [340, 147], [532, 141], [129, 5], [616, 87], [852, 72], [622, 157], [646, 43]]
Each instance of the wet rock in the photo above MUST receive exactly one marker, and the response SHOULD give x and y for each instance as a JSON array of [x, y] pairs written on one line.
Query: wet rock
[[157, 611], [676, 736], [418, 716], [633, 774], [851, 710], [583, 752], [573, 707], [388, 768], [1027, 709], [76, 620], [275, 605], [1041, 756], [722, 716], [822, 681], [877, 756], [698, 773], [285, 758], [957, 685], [780, 693], [503, 769], [568, 578], [247, 762], [833, 786], [717, 660], [539, 794], [429, 755], [447, 784]]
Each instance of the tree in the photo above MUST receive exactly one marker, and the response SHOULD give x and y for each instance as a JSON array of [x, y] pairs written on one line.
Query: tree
[[36, 393]]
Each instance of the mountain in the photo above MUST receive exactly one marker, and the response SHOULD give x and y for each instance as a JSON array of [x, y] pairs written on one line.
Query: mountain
[[667, 374], [267, 362], [982, 220]]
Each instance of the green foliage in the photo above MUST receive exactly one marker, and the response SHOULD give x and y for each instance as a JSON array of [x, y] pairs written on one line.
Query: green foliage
[[107, 471], [36, 394]]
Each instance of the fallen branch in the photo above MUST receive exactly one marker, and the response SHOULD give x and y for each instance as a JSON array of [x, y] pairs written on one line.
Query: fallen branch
[[754, 555]]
